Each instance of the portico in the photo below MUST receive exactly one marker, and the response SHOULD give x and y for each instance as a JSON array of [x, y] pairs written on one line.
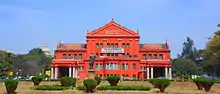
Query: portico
[[151, 71]]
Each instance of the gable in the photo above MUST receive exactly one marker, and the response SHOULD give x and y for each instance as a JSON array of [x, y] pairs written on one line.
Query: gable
[[111, 29]]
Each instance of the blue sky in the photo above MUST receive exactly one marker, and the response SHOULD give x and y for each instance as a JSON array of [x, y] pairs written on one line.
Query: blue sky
[[25, 24]]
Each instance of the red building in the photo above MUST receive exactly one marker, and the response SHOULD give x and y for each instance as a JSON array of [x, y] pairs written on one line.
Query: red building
[[118, 52]]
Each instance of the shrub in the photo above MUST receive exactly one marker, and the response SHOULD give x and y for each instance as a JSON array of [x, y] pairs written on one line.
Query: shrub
[[68, 81], [113, 80], [48, 87], [161, 83], [37, 79], [98, 79], [90, 85], [198, 84], [152, 81], [11, 85], [130, 87], [206, 83]]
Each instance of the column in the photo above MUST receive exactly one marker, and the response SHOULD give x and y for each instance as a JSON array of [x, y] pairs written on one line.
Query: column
[[70, 71], [52, 73], [56, 72], [166, 72], [148, 73], [74, 74], [152, 72], [170, 73]]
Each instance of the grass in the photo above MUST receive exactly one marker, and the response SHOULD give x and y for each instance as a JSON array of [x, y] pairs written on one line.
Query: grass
[[174, 88]]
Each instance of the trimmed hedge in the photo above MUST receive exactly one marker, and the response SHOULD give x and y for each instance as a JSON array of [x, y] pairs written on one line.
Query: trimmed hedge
[[206, 83], [37, 79], [129, 87], [11, 85], [49, 87], [160, 83], [90, 85], [68, 81], [198, 84], [113, 80], [98, 79]]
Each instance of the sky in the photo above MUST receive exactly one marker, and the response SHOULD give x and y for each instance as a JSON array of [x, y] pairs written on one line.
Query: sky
[[26, 24]]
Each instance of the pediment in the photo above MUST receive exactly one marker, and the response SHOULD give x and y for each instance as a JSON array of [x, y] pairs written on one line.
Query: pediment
[[112, 29]]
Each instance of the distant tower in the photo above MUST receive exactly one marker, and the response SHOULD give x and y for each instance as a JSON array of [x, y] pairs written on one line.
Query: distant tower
[[46, 50]]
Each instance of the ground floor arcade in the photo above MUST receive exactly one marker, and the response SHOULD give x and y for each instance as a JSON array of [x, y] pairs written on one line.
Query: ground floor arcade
[[148, 73]]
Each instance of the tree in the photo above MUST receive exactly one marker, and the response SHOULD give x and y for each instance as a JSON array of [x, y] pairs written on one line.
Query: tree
[[184, 66], [5, 63], [212, 54]]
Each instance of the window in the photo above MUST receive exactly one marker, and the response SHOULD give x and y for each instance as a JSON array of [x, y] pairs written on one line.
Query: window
[[149, 56], [123, 45], [144, 56], [123, 66], [116, 54], [97, 45], [64, 56], [108, 45], [101, 45], [101, 54], [123, 54], [128, 45], [108, 54], [69, 56], [127, 55], [97, 54], [142, 68], [135, 56], [80, 56], [155, 56], [112, 54], [98, 66], [134, 66], [112, 45], [116, 45], [75, 56], [161, 56], [81, 67]]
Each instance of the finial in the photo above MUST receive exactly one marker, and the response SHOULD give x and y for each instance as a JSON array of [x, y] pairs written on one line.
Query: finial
[[137, 31], [112, 19]]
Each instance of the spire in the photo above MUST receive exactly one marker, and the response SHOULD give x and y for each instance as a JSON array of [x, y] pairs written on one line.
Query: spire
[[137, 31], [167, 44]]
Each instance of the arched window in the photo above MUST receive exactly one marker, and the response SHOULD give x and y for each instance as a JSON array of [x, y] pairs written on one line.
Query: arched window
[[64, 56]]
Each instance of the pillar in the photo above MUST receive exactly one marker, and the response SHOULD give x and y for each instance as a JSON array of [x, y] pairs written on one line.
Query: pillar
[[166, 72], [70, 71], [152, 72], [148, 73], [52, 73], [170, 73], [56, 72], [74, 74]]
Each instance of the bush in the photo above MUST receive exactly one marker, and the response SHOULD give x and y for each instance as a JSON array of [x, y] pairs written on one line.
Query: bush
[[152, 81], [129, 87], [90, 85], [206, 83], [98, 79], [48, 87], [37, 79], [198, 84], [113, 80], [68, 81], [160, 83], [11, 85]]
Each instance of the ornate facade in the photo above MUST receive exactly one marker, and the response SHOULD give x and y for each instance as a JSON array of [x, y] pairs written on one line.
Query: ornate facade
[[118, 52]]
